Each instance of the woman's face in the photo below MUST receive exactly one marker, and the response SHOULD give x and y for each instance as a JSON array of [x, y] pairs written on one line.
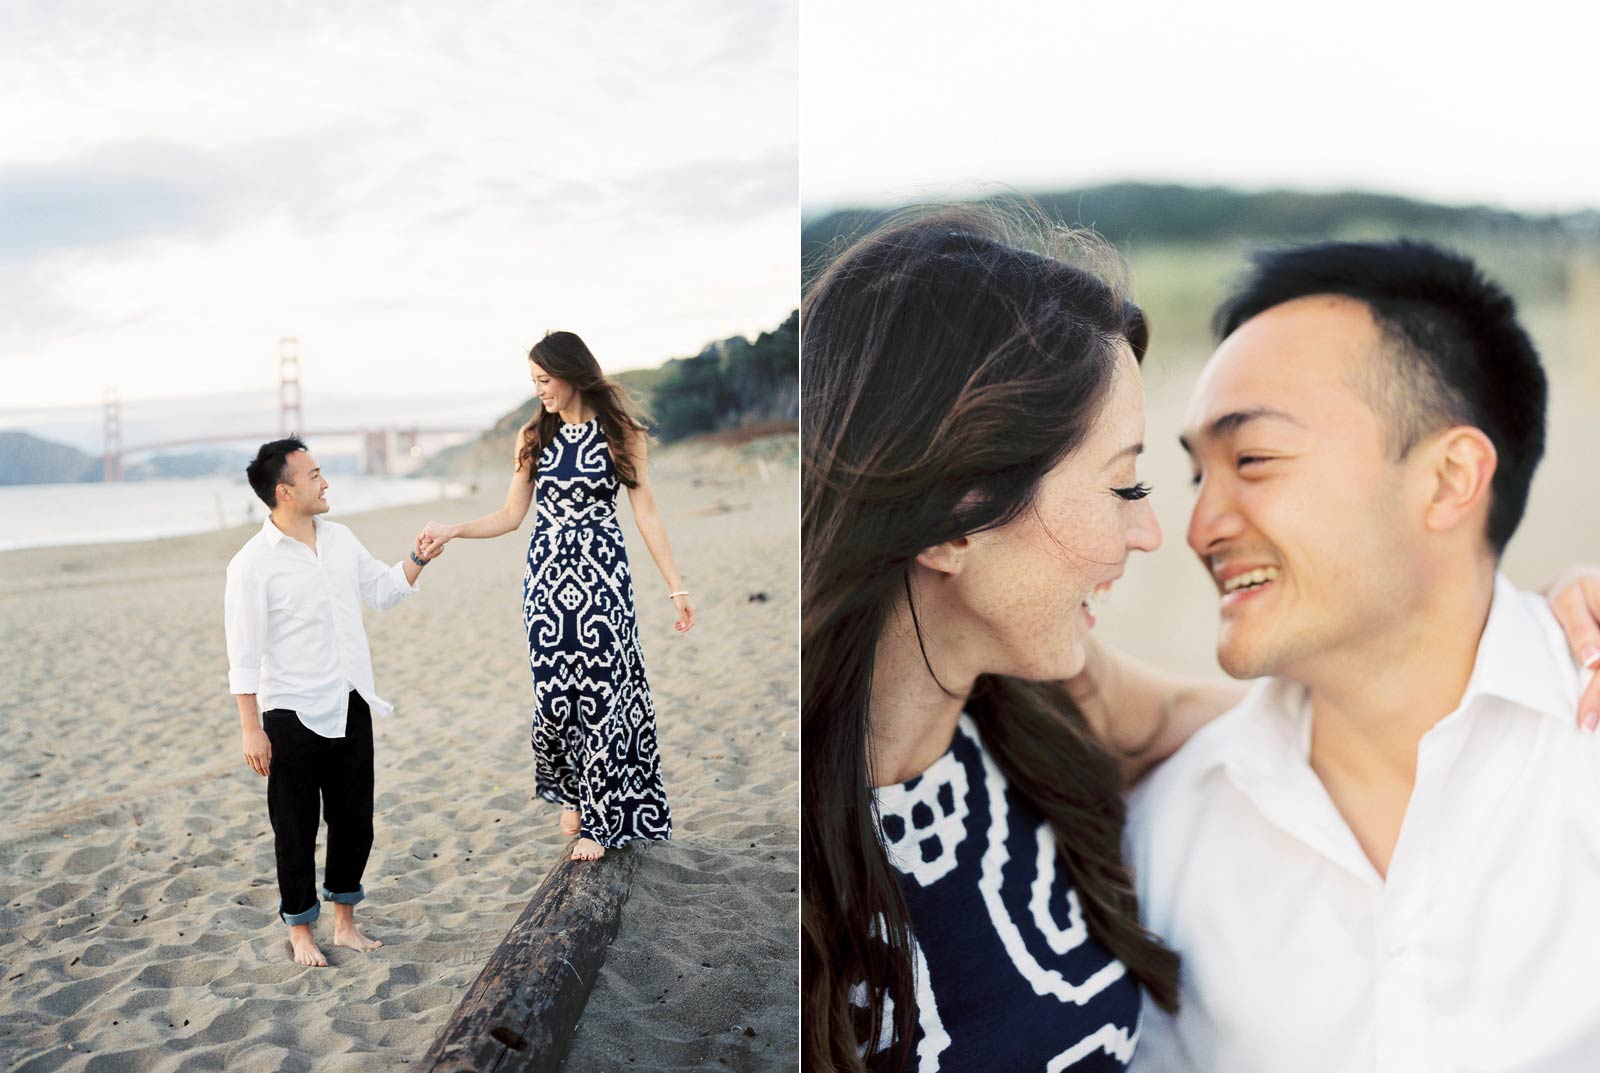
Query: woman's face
[[1022, 588], [554, 392]]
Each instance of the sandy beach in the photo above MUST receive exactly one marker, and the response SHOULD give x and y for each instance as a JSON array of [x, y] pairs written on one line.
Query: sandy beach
[[137, 914]]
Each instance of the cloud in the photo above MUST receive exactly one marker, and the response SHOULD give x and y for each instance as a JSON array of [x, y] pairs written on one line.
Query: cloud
[[723, 190], [107, 197]]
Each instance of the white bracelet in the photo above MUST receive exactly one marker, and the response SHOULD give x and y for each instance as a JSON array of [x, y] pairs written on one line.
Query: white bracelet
[[673, 595]]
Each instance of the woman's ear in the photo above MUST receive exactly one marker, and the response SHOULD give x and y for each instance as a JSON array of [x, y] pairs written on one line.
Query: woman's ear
[[947, 558]]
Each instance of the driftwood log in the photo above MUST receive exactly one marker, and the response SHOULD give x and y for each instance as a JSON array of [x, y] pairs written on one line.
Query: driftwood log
[[519, 1014]]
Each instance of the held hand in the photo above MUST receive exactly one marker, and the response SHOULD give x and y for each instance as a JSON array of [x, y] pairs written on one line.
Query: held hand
[[685, 613], [257, 751], [1575, 599], [432, 539], [428, 550]]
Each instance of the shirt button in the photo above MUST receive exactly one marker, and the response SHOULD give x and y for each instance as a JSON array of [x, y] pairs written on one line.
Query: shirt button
[[1397, 951]]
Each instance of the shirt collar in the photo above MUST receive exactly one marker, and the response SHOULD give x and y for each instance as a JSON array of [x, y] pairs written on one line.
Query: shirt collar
[[1522, 657], [1518, 660], [276, 536]]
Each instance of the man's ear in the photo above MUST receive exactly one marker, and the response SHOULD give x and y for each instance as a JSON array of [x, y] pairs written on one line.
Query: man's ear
[[1462, 462], [947, 558]]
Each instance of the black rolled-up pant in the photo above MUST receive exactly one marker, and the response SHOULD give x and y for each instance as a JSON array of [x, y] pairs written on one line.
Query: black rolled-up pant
[[309, 773]]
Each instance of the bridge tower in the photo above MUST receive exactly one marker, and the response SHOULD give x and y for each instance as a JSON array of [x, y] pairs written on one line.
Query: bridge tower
[[291, 421], [375, 452], [111, 461]]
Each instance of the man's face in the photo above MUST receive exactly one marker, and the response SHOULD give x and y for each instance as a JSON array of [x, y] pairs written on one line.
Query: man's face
[[1301, 514], [302, 488]]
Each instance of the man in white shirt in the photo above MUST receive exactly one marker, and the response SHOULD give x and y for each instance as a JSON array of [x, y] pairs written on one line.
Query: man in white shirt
[[1387, 858], [301, 672]]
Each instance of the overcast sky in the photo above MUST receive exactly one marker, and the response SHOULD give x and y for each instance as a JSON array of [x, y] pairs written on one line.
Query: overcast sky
[[416, 190], [903, 101]]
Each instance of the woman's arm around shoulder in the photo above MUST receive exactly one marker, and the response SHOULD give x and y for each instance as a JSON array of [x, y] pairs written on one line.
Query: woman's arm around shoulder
[[1141, 714]]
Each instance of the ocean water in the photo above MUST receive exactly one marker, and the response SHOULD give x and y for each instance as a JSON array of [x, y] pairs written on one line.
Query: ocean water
[[44, 515]]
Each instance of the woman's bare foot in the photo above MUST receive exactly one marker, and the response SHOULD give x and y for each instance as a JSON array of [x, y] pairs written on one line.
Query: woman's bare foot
[[587, 849], [569, 821], [345, 932], [305, 948]]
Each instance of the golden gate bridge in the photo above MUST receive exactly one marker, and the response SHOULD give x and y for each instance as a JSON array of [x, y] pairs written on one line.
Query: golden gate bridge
[[379, 446]]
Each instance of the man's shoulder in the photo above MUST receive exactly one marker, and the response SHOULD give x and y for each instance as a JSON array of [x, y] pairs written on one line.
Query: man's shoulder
[[249, 553], [1524, 653], [1170, 793], [1539, 620]]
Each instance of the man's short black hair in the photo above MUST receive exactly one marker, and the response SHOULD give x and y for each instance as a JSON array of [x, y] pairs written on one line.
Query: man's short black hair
[[266, 472], [1455, 354]]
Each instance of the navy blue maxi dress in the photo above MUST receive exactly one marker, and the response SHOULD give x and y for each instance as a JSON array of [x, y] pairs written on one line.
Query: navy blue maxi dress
[[1008, 976], [594, 726]]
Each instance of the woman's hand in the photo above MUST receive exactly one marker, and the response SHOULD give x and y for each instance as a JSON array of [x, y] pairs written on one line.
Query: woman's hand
[[433, 538], [685, 608], [1575, 599]]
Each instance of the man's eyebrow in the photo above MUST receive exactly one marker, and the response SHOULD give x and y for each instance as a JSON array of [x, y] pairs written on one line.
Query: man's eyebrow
[[1233, 421]]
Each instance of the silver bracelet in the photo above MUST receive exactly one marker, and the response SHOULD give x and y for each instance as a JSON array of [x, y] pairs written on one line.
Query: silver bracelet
[[674, 595]]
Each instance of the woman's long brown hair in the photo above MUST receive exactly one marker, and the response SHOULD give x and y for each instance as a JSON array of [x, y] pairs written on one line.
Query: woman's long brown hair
[[945, 370], [566, 357]]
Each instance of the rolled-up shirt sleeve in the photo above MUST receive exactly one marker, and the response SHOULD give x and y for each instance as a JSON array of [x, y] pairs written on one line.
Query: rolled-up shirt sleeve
[[244, 618], [382, 585]]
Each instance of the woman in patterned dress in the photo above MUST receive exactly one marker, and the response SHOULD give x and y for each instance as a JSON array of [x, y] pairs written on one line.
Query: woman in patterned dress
[[973, 419], [594, 736]]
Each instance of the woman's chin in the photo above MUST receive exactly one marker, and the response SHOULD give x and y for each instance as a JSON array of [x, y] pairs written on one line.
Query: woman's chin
[[1063, 662]]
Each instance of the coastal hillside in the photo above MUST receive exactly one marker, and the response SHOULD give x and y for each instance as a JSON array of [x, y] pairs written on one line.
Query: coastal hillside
[[29, 459], [1186, 244]]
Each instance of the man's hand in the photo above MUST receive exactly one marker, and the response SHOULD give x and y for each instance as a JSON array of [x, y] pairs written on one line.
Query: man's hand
[[428, 550], [1575, 599], [432, 539], [257, 750]]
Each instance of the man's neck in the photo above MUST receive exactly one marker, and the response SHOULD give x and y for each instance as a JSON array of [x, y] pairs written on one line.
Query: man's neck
[[1370, 708], [301, 527]]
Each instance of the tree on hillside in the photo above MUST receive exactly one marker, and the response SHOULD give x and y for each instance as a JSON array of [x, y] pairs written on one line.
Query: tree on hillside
[[730, 384]]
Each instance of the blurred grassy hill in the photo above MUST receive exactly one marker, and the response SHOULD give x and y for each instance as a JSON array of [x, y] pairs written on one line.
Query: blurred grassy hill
[[1186, 244]]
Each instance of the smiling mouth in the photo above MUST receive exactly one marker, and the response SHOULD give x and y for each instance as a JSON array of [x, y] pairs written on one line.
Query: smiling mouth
[[1242, 585]]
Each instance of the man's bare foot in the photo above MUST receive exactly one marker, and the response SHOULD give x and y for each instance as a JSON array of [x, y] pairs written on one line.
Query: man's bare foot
[[345, 932], [352, 937], [587, 849], [569, 821], [304, 945]]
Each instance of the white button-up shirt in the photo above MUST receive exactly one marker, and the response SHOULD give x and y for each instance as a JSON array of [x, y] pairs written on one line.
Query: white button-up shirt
[[293, 619], [1481, 950]]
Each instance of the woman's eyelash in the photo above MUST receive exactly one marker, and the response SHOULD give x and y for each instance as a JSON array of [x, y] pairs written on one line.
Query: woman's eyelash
[[1138, 491]]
